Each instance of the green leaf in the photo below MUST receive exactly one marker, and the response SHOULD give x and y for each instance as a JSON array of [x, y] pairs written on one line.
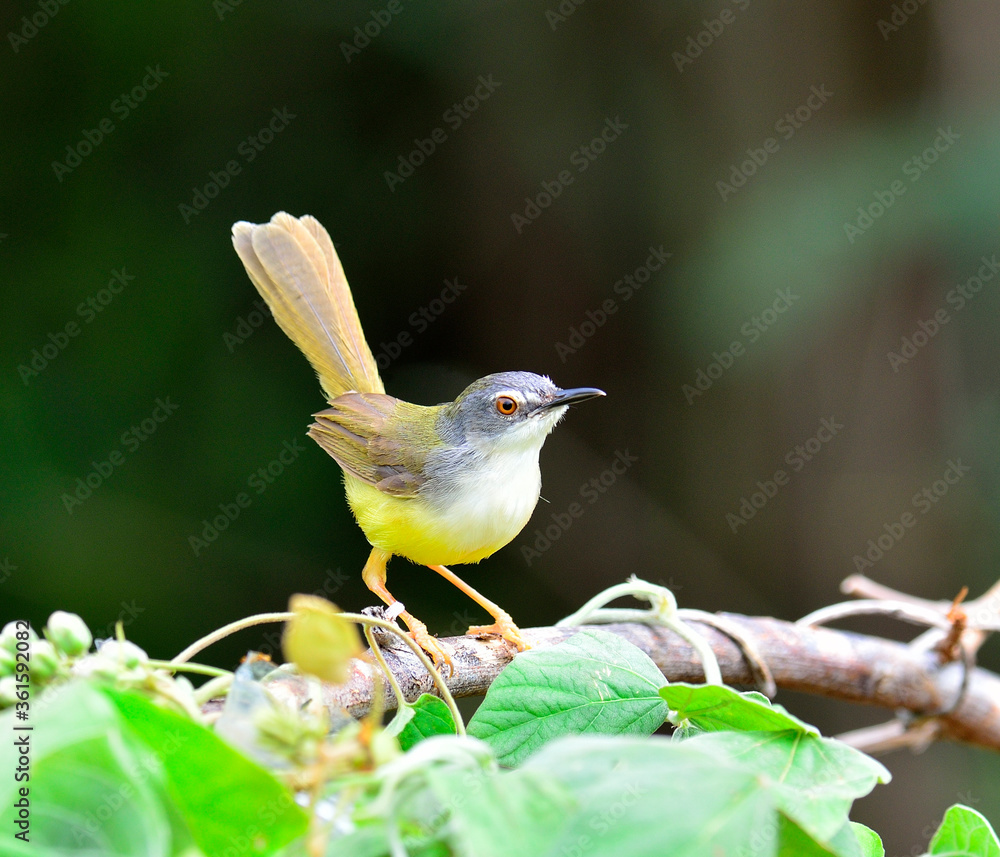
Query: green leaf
[[371, 840], [793, 841], [869, 840], [965, 833], [812, 780], [715, 793], [490, 814], [92, 790], [716, 708], [594, 682], [426, 717], [654, 797], [449, 797], [226, 800], [607, 795]]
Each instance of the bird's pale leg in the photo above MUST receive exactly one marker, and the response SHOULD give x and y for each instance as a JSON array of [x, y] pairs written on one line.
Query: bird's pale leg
[[503, 624], [374, 577]]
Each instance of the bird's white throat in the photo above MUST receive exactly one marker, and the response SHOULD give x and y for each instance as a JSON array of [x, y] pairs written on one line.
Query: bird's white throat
[[488, 494]]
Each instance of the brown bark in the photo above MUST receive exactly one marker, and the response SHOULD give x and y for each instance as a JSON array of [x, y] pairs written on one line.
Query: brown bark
[[837, 664]]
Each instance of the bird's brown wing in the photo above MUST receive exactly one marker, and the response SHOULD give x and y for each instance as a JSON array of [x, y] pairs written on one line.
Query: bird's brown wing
[[379, 439]]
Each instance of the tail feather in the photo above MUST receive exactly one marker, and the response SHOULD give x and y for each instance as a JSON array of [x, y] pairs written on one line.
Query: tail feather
[[294, 266]]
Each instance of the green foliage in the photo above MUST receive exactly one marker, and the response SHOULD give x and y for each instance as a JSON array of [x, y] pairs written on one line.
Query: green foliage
[[559, 761], [113, 774], [221, 795], [714, 708], [631, 796], [869, 840], [594, 682], [965, 833], [425, 718], [93, 790]]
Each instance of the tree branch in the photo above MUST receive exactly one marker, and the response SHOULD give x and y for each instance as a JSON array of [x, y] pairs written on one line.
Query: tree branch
[[838, 664]]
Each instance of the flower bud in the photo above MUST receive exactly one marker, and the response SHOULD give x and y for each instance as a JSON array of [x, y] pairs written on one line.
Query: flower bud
[[9, 638], [8, 691], [43, 660], [96, 667], [69, 633], [129, 655]]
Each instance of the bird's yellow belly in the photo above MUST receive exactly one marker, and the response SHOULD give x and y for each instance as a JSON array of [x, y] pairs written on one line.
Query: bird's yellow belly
[[468, 525]]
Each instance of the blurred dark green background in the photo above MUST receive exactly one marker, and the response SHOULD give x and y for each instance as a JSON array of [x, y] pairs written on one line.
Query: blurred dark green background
[[116, 117]]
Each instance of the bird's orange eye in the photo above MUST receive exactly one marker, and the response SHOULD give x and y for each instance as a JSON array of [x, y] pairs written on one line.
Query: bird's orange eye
[[506, 405]]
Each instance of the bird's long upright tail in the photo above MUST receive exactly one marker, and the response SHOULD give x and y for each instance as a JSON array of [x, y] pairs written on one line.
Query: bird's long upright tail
[[295, 267]]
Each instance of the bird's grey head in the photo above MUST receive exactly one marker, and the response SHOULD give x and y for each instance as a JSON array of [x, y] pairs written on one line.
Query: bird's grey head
[[516, 408]]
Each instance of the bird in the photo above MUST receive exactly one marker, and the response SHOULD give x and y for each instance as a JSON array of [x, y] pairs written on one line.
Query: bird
[[438, 485]]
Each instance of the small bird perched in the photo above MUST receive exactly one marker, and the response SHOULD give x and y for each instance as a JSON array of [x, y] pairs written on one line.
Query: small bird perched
[[439, 485]]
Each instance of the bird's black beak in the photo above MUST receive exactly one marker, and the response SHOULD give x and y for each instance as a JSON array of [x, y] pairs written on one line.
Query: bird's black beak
[[570, 397]]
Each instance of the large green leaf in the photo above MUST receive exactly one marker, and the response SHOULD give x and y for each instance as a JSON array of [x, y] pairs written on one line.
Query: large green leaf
[[92, 790], [965, 833], [812, 780], [594, 682], [716, 708], [713, 793], [494, 815], [604, 796], [227, 800], [654, 797]]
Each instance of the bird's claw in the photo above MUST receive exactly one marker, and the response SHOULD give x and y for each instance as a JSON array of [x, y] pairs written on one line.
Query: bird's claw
[[503, 626], [433, 647]]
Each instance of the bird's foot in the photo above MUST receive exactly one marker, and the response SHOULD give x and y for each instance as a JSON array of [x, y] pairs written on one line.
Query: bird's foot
[[431, 645], [503, 626]]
